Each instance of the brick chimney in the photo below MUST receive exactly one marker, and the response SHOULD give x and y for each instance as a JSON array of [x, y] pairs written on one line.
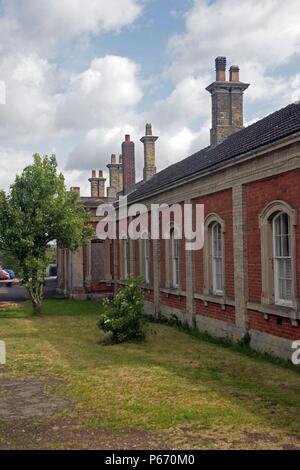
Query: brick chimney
[[128, 158], [75, 189], [115, 176], [97, 184], [149, 153], [227, 102]]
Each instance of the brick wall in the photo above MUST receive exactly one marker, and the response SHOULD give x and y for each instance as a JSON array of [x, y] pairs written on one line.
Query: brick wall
[[101, 288], [284, 187], [215, 311], [221, 204], [173, 301], [270, 326], [148, 295]]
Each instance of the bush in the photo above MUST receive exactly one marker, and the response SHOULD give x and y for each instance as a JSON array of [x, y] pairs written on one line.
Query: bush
[[124, 315]]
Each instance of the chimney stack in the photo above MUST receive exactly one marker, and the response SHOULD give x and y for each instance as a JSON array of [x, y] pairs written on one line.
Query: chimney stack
[[115, 177], [128, 157], [75, 189], [97, 184], [227, 102], [149, 153]]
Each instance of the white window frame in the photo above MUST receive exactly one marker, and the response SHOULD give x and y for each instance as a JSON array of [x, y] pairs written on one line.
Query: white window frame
[[266, 221], [276, 259], [145, 252], [209, 281], [125, 257], [216, 258], [175, 258]]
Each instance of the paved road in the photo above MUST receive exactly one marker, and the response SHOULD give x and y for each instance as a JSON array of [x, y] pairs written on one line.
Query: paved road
[[18, 293]]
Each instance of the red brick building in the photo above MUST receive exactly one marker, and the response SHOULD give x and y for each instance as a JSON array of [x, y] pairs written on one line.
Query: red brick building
[[244, 282]]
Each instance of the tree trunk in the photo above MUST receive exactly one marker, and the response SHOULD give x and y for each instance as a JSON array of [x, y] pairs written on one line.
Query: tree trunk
[[36, 307], [36, 295]]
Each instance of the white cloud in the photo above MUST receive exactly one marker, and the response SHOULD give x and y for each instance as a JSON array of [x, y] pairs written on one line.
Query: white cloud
[[105, 92], [29, 113], [44, 25], [258, 35], [85, 113], [12, 162], [296, 88], [262, 31], [46, 105], [188, 101]]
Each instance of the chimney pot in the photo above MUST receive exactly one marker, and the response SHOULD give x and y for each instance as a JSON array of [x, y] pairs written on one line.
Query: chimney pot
[[234, 73], [121, 159], [148, 129], [100, 174], [127, 138], [149, 153], [221, 69], [94, 174], [113, 159]]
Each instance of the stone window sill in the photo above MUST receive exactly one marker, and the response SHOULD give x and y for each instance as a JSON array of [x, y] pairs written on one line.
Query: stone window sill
[[170, 291], [215, 299], [147, 287], [285, 312]]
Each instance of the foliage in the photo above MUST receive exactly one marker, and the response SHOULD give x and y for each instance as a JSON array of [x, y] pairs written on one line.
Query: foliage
[[37, 211], [124, 315]]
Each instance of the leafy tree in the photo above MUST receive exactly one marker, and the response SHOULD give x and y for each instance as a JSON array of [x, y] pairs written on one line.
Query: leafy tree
[[124, 315], [36, 211]]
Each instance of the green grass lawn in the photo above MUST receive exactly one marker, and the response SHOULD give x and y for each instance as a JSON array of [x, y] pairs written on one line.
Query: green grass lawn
[[194, 393]]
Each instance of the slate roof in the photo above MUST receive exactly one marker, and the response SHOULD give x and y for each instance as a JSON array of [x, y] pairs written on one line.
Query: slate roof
[[272, 128]]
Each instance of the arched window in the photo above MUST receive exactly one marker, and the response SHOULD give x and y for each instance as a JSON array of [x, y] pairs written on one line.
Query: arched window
[[217, 258], [214, 256], [283, 277], [278, 251], [145, 257], [174, 258]]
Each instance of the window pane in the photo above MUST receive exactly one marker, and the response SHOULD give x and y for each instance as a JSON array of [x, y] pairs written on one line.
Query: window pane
[[285, 224], [175, 258], [285, 281], [217, 258]]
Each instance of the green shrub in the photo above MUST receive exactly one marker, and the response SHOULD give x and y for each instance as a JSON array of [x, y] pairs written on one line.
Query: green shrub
[[124, 315]]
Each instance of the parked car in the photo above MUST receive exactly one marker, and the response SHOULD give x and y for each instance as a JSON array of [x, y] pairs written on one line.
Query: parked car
[[7, 275]]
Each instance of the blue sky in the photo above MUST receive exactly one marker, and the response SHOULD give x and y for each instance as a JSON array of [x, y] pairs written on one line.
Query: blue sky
[[79, 74]]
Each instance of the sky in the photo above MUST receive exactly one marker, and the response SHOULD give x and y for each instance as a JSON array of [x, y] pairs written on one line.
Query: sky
[[80, 74]]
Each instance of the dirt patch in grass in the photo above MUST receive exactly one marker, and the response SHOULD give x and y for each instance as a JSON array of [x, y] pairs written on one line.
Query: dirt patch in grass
[[205, 437], [21, 399], [70, 434], [31, 417]]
